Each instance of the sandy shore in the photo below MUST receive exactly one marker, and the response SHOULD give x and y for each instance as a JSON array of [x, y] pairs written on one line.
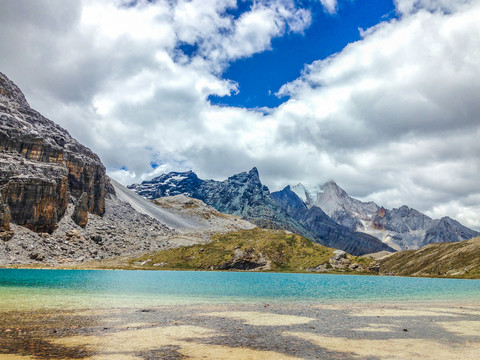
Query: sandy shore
[[246, 331]]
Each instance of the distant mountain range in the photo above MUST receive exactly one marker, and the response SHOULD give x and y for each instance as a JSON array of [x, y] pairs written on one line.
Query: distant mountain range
[[402, 229], [328, 215], [244, 195], [241, 194]]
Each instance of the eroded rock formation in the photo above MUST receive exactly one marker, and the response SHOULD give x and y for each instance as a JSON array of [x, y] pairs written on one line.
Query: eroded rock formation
[[42, 167]]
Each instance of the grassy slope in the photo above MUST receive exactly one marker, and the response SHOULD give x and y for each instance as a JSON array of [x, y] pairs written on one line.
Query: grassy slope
[[459, 259], [284, 251]]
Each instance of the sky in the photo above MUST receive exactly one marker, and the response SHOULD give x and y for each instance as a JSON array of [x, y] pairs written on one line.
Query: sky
[[381, 96]]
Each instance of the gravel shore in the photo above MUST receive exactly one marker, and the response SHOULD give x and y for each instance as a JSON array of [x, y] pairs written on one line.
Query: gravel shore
[[246, 331]]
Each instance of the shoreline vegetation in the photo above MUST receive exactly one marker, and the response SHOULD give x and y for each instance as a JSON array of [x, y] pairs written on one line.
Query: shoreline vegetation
[[264, 250]]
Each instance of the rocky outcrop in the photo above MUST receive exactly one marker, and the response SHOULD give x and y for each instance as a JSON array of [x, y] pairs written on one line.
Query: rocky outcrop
[[42, 167], [35, 192], [324, 228], [247, 260], [5, 216]]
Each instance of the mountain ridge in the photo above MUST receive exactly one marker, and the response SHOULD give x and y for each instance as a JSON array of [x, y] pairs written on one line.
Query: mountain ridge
[[452, 259], [402, 228]]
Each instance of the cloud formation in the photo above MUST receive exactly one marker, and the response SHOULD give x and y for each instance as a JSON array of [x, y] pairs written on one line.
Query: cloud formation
[[392, 118]]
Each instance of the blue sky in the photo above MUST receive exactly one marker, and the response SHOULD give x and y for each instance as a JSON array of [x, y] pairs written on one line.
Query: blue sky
[[391, 114], [260, 76]]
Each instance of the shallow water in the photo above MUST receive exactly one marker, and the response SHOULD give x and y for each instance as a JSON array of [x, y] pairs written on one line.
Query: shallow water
[[146, 315], [77, 289]]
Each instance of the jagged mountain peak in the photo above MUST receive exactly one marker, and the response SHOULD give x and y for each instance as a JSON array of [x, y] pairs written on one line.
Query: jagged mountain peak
[[171, 174], [169, 184], [448, 219], [341, 207], [253, 172], [331, 188], [405, 211], [289, 197], [302, 192], [11, 91], [324, 228], [251, 175]]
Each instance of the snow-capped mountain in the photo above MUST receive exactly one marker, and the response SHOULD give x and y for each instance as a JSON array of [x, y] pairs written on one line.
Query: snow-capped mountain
[[403, 228]]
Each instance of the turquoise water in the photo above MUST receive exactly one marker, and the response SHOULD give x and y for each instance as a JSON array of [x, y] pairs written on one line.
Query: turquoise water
[[26, 289]]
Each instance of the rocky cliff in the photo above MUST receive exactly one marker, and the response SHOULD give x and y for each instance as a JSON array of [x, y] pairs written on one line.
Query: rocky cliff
[[42, 168]]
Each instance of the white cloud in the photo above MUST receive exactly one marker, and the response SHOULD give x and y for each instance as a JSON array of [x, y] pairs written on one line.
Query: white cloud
[[393, 117], [400, 107], [407, 7], [198, 20], [330, 5]]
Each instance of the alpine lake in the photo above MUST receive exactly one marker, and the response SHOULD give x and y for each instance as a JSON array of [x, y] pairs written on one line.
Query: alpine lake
[[122, 314]]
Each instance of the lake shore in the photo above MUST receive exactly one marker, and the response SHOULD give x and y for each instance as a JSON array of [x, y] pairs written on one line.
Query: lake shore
[[400, 330]]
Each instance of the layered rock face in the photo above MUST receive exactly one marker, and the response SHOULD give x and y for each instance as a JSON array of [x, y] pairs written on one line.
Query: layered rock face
[[42, 167]]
